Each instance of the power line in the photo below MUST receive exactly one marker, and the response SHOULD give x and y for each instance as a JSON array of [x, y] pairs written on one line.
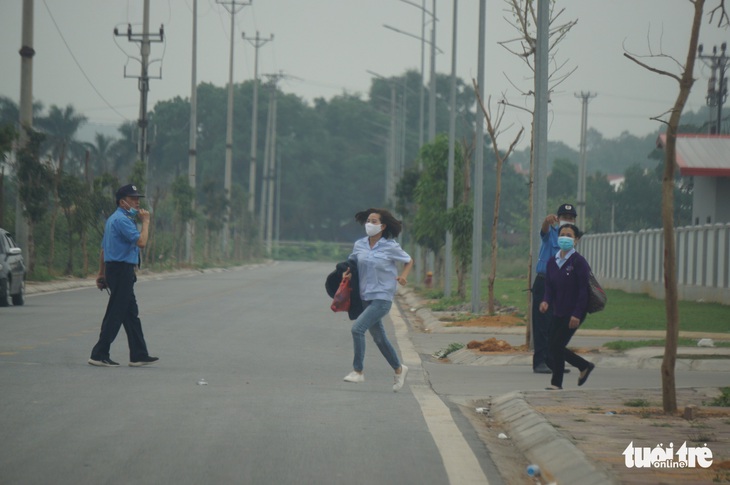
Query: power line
[[79, 64]]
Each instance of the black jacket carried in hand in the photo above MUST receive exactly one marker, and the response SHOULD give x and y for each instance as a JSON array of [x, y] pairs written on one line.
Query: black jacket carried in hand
[[333, 282]]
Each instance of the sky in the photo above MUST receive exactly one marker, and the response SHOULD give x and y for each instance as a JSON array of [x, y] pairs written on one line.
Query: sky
[[327, 47]]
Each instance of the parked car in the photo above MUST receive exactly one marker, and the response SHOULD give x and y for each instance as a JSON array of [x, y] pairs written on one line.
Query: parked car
[[12, 271]]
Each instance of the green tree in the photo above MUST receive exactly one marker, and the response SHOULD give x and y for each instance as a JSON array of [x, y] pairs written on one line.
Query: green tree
[[562, 182], [101, 154], [431, 219], [35, 181], [73, 198], [60, 126], [215, 208], [183, 196], [600, 201]]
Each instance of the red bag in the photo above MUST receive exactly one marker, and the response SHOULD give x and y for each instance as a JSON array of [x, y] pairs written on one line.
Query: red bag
[[341, 301]]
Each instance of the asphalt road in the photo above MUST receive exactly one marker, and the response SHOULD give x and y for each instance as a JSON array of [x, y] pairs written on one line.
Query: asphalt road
[[275, 409]]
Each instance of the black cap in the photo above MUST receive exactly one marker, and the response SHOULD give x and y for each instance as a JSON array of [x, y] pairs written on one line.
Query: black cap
[[567, 209], [128, 191]]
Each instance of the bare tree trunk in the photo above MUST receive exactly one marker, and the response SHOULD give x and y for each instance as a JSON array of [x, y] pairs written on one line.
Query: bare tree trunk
[[70, 261], [31, 247], [669, 390], [84, 250], [493, 130], [669, 394]]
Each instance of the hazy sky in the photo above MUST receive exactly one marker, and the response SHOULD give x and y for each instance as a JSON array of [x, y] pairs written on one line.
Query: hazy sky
[[327, 46]]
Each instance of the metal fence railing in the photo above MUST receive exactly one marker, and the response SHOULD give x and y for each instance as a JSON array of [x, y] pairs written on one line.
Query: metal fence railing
[[634, 261]]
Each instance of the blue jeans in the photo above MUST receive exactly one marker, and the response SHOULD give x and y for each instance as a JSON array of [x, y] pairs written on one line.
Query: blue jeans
[[372, 319]]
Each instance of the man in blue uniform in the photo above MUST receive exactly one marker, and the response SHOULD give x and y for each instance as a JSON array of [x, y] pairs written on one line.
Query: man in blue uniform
[[548, 248], [119, 256]]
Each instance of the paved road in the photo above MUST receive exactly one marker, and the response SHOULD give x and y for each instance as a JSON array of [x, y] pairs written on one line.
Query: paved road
[[275, 409]]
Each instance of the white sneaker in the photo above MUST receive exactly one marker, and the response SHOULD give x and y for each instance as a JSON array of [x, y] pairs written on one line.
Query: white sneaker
[[354, 377], [400, 379]]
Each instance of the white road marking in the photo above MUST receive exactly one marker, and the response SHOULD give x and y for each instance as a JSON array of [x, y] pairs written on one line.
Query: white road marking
[[462, 466]]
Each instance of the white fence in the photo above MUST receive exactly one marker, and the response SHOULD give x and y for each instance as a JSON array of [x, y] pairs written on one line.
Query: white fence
[[634, 261]]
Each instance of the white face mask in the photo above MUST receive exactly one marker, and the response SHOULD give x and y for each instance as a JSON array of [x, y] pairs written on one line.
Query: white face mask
[[562, 223], [372, 229]]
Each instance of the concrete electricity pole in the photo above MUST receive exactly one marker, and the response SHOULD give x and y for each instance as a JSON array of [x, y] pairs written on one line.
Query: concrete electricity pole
[[192, 151], [448, 263], [233, 8], [256, 42], [539, 181], [269, 168], [143, 80], [476, 250], [26, 114], [580, 203], [716, 93]]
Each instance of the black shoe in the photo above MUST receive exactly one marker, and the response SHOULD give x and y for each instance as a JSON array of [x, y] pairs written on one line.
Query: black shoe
[[542, 369], [144, 361], [103, 363], [566, 371], [583, 377]]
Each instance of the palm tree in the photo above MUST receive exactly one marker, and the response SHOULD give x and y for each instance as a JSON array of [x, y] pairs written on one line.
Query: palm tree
[[60, 127], [101, 153], [123, 152]]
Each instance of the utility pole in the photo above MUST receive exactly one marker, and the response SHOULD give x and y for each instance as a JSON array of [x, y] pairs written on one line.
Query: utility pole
[[539, 180], [716, 93], [581, 199], [26, 115], [448, 263], [192, 151], [432, 98], [256, 42], [476, 250], [392, 167], [233, 8], [269, 168], [143, 80]]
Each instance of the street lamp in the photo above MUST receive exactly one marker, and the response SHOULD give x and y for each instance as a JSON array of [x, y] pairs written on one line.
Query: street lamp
[[432, 90]]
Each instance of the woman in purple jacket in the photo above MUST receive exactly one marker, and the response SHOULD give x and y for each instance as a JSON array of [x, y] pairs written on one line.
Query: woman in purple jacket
[[566, 292]]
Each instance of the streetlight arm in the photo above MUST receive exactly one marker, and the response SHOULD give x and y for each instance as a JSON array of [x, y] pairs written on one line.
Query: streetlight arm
[[414, 36], [420, 7]]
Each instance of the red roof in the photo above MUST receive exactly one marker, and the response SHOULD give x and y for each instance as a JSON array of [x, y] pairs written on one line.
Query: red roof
[[704, 155]]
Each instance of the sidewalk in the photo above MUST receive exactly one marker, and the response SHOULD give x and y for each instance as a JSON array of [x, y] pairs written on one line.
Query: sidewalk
[[579, 436]]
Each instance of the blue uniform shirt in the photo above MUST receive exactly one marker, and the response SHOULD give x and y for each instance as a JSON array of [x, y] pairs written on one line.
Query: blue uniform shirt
[[548, 248], [377, 269], [120, 238]]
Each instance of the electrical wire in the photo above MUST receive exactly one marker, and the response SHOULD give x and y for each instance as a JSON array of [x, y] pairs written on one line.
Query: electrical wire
[[79, 65]]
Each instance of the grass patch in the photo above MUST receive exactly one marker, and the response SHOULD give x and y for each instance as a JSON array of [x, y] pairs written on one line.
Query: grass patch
[[723, 399], [624, 311], [637, 403], [443, 353], [622, 345]]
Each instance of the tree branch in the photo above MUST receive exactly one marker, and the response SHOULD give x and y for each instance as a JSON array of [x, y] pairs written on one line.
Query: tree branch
[[652, 69]]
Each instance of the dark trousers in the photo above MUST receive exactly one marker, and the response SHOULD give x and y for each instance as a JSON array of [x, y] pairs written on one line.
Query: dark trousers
[[540, 324], [560, 335], [121, 310]]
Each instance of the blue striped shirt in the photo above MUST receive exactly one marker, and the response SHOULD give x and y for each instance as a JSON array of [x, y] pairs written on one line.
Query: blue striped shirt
[[377, 267]]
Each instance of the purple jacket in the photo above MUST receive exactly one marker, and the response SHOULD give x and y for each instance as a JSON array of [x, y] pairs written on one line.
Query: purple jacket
[[566, 288]]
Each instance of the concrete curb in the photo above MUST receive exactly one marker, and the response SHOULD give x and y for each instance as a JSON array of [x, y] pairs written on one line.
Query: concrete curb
[[641, 358], [560, 460], [543, 445]]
